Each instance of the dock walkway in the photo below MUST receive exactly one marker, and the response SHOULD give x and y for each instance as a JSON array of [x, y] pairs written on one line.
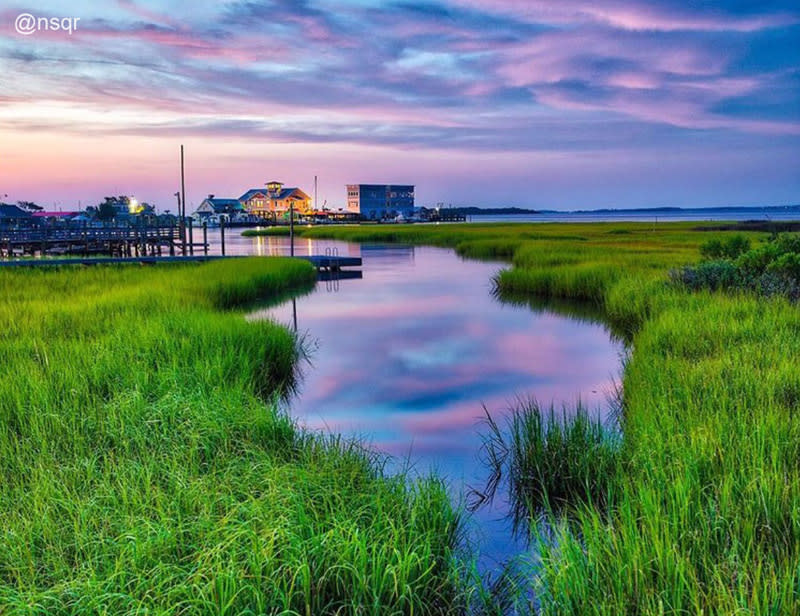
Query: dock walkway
[[320, 262], [117, 241]]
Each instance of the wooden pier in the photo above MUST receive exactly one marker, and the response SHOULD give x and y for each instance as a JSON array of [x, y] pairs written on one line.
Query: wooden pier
[[331, 263], [64, 245], [118, 241], [327, 267]]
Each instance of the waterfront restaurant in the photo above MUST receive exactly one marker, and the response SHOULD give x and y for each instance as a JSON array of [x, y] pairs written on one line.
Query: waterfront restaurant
[[275, 200]]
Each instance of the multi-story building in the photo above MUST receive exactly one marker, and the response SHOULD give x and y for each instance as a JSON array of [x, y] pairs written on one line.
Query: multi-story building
[[380, 201], [275, 200]]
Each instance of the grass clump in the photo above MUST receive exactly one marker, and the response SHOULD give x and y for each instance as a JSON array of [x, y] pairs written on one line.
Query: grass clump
[[145, 470], [727, 248], [772, 268], [549, 462]]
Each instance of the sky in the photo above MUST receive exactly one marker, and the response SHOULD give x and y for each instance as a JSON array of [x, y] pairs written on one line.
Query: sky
[[568, 104]]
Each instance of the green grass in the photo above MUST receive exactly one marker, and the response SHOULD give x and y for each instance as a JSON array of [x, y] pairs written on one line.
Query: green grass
[[706, 518], [144, 468], [550, 462]]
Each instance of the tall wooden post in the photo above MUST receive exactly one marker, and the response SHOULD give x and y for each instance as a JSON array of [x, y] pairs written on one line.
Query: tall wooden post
[[182, 208], [291, 227], [222, 234], [191, 238], [205, 238]]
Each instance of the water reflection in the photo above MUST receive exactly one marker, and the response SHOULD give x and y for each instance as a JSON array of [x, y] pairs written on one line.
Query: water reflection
[[266, 246], [409, 356], [579, 310]]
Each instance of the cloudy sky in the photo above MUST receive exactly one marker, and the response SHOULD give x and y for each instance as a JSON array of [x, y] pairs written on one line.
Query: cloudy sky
[[551, 104]]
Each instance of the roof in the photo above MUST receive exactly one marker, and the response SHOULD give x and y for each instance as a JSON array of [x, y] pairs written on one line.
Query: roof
[[283, 194], [54, 214], [253, 191], [12, 211], [224, 205], [383, 186]]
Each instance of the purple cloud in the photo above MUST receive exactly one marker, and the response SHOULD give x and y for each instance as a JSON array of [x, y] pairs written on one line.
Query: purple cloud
[[467, 76]]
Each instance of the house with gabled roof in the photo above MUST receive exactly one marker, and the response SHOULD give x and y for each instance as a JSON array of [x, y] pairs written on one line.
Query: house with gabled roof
[[212, 206], [275, 200], [13, 215]]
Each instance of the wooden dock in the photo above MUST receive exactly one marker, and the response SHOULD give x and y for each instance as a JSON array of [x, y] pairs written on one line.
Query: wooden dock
[[332, 263], [326, 266], [83, 240]]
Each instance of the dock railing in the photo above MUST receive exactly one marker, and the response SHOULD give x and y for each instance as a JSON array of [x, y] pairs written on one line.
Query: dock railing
[[84, 239]]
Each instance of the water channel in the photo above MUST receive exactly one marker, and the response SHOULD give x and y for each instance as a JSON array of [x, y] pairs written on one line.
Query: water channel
[[408, 356]]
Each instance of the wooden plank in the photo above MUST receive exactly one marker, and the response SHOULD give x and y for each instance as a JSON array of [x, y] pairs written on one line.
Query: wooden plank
[[328, 261]]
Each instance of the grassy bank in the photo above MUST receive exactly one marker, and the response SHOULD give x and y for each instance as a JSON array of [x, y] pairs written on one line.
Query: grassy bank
[[145, 470], [706, 517]]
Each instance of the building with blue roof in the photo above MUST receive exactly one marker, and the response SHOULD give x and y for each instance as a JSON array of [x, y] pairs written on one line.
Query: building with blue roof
[[11, 215], [212, 206]]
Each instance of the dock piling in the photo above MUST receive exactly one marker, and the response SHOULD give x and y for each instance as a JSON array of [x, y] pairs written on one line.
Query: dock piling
[[191, 237]]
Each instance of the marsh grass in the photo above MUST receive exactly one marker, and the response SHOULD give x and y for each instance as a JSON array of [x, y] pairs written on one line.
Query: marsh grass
[[548, 461], [501, 593], [144, 468], [705, 518]]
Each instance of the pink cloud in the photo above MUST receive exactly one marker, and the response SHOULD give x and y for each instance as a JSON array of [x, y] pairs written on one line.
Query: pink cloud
[[626, 15]]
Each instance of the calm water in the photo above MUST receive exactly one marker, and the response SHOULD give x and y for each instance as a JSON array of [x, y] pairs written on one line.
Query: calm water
[[407, 357], [790, 212]]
